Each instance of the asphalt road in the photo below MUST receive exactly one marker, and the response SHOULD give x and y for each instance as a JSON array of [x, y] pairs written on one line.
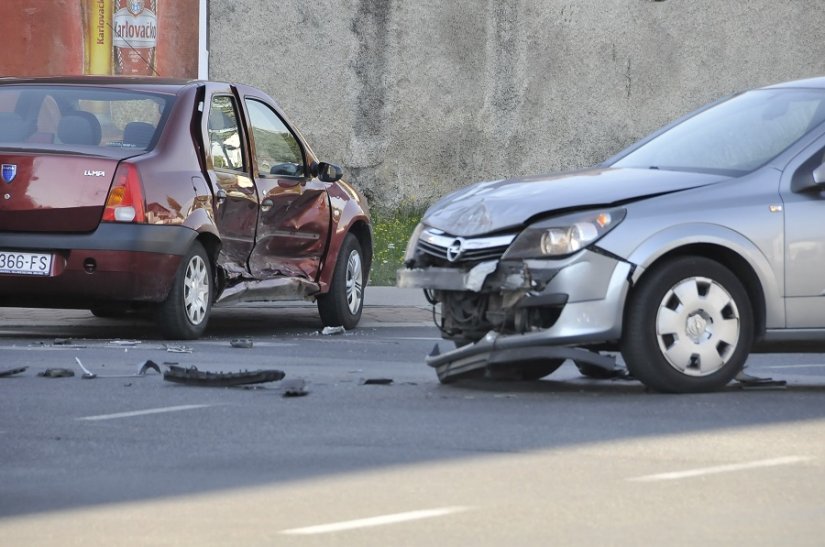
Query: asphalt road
[[565, 460]]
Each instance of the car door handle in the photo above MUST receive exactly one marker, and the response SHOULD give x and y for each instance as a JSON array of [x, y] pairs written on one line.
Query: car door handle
[[266, 205]]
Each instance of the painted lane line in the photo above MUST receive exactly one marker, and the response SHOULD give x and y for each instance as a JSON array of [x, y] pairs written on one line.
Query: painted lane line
[[142, 412], [373, 521], [676, 475]]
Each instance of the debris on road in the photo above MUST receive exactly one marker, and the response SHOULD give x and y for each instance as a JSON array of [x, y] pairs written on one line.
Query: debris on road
[[376, 382], [123, 343], [56, 373], [62, 341], [178, 349], [194, 377], [243, 343], [333, 330], [12, 371], [748, 381], [294, 388], [144, 368], [87, 374]]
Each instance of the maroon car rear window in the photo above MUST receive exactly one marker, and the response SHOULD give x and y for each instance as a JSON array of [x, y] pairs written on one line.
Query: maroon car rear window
[[54, 117]]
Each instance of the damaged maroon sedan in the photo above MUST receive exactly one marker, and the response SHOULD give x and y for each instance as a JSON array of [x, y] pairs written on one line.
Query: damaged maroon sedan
[[164, 196]]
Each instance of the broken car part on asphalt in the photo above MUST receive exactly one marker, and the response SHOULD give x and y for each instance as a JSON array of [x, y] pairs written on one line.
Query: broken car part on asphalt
[[194, 377], [142, 370], [12, 371]]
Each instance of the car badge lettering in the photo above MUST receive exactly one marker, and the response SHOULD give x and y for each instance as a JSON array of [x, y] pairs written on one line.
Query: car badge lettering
[[9, 171], [455, 250], [93, 173]]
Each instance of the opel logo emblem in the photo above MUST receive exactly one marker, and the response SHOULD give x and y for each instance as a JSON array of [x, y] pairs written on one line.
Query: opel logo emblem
[[455, 249]]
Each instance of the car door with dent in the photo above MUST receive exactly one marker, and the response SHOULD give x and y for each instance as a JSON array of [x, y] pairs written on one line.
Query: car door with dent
[[227, 165], [294, 220]]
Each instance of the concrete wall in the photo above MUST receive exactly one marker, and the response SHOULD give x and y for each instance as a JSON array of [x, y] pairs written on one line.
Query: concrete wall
[[419, 97]]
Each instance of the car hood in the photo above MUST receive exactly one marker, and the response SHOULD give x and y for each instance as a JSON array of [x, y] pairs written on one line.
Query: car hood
[[488, 207]]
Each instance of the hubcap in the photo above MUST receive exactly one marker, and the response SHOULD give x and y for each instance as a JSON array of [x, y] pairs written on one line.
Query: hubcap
[[196, 290], [355, 282], [697, 326]]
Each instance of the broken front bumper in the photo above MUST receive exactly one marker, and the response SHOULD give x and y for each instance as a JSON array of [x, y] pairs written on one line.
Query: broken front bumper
[[591, 286]]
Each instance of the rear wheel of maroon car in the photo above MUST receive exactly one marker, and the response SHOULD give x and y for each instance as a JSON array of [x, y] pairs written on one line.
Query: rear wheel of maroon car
[[343, 304], [185, 312]]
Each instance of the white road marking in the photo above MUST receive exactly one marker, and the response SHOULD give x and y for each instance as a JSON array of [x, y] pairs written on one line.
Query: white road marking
[[690, 473], [142, 412], [373, 521]]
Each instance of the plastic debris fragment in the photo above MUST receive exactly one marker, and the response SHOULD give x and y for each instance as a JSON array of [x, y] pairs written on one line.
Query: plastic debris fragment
[[294, 388], [56, 373], [12, 371], [244, 343], [376, 382], [194, 377], [333, 330]]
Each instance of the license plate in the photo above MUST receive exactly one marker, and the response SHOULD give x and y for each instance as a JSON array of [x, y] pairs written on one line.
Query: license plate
[[14, 262]]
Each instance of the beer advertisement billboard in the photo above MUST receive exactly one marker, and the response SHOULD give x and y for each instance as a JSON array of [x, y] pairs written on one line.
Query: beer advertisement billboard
[[103, 37]]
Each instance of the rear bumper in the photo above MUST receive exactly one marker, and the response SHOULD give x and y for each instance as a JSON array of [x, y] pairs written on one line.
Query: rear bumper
[[115, 263]]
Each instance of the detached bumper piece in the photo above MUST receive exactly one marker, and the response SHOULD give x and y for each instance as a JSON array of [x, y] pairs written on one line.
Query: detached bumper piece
[[493, 354], [194, 377]]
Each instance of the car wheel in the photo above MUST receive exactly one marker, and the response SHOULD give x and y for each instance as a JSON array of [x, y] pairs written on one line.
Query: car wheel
[[185, 312], [343, 304], [688, 327]]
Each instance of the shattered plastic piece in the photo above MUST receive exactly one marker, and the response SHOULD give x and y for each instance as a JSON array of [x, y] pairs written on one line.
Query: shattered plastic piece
[[62, 341], [178, 349], [333, 330], [12, 371], [747, 381], [87, 374], [241, 343], [194, 377], [148, 365], [294, 388], [122, 343], [56, 373], [376, 382]]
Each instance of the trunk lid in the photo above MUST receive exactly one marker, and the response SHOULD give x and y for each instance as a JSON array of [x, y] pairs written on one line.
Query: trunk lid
[[53, 192]]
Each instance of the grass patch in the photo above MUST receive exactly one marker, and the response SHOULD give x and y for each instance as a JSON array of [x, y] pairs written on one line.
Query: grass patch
[[391, 231]]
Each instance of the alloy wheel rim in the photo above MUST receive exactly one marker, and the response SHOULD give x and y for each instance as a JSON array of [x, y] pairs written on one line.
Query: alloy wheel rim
[[354, 282], [697, 326], [196, 290]]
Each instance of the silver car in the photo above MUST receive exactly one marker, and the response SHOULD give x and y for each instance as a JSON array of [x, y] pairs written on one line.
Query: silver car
[[685, 252]]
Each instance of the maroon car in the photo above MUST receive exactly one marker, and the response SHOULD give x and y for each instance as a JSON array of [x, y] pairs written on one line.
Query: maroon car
[[168, 196]]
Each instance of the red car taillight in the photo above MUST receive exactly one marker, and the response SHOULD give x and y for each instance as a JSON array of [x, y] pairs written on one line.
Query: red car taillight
[[125, 202]]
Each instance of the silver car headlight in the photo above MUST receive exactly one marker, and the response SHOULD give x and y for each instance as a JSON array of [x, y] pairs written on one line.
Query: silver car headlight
[[564, 235]]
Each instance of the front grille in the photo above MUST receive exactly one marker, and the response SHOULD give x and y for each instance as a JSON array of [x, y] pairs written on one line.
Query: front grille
[[463, 250]]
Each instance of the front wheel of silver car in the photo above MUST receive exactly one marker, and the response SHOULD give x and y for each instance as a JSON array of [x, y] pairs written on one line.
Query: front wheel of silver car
[[688, 327], [185, 312], [343, 304]]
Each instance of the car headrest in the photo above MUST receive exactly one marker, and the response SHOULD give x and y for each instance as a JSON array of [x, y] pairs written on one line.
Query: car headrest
[[138, 134], [12, 127], [79, 128]]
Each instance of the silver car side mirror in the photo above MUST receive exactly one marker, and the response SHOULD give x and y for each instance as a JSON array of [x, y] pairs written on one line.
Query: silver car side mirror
[[819, 174]]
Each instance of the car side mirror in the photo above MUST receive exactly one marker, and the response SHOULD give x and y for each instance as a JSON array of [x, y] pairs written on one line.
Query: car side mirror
[[819, 174], [327, 172]]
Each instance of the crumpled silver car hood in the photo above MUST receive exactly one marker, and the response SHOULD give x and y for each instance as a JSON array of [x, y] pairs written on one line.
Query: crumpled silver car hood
[[488, 207]]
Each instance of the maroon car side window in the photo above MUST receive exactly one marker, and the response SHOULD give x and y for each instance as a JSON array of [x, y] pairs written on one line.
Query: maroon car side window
[[277, 151], [225, 143]]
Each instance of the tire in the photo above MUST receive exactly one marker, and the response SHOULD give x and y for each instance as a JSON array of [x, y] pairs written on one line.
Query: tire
[[185, 312], [342, 305], [688, 327]]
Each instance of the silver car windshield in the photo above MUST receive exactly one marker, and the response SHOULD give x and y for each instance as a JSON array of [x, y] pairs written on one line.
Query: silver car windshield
[[736, 136]]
